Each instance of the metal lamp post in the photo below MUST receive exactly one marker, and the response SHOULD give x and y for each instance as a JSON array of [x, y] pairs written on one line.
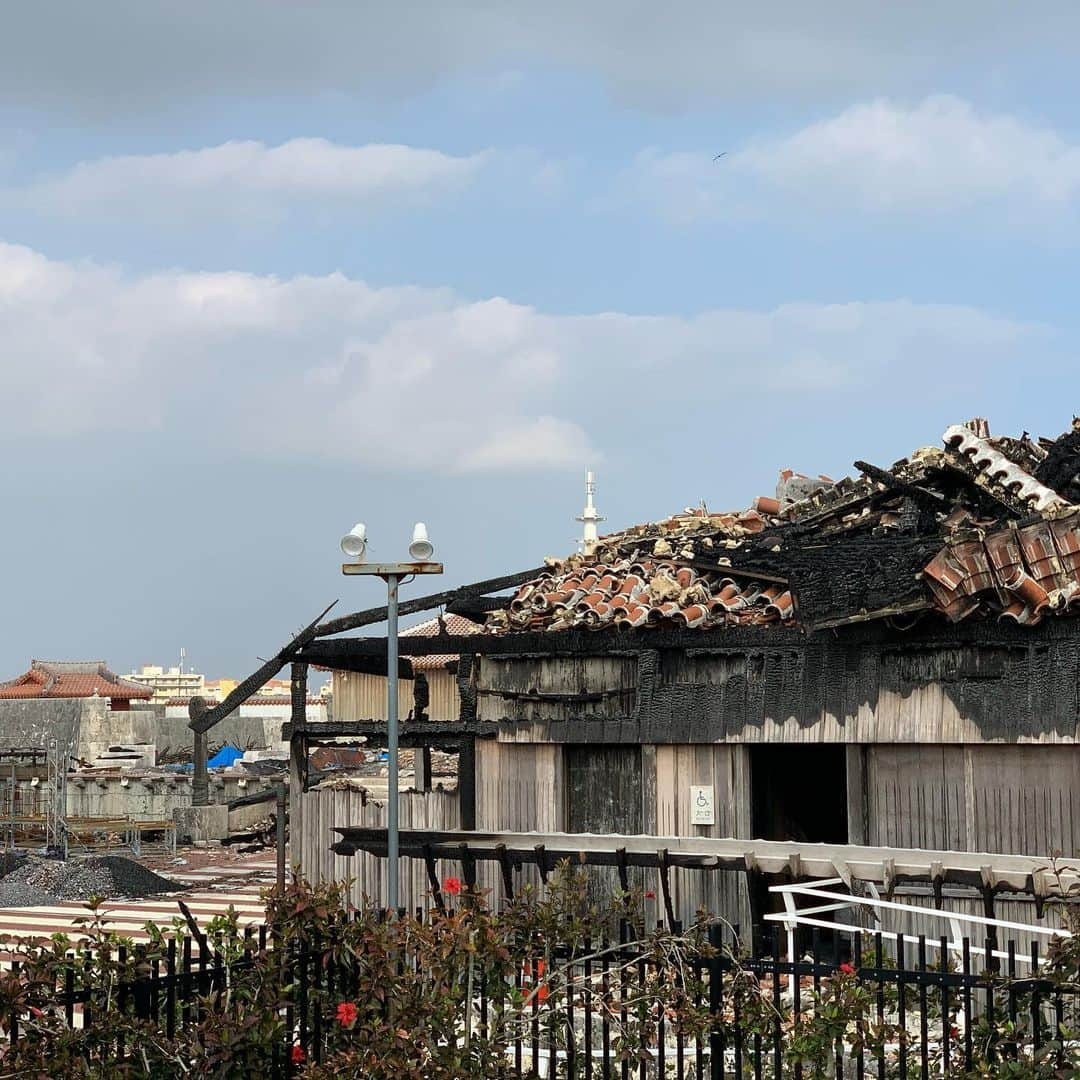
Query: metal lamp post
[[355, 544]]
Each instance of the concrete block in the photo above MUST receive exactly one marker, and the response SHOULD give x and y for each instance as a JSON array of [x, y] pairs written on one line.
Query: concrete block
[[200, 823]]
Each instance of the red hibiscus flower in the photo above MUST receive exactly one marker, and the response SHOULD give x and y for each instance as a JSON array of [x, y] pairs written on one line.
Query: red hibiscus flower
[[346, 1013], [298, 1055], [847, 969], [452, 885]]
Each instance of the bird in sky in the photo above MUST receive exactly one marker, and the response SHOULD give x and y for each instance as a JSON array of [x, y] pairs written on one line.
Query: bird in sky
[[720, 155]]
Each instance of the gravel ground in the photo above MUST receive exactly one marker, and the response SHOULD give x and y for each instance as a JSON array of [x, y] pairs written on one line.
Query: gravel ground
[[45, 881]]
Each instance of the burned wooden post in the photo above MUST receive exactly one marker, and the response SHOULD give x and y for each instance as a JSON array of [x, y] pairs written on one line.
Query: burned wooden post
[[200, 779], [279, 836], [467, 781], [422, 768], [298, 689], [421, 696], [422, 754]]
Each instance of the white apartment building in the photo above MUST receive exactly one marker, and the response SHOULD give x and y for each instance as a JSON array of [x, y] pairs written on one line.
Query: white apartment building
[[169, 683]]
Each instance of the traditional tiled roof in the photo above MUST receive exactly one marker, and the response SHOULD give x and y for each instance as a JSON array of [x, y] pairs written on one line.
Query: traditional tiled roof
[[455, 625], [645, 592], [980, 525], [73, 679]]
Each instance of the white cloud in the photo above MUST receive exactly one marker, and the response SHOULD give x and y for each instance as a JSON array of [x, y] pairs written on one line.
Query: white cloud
[[310, 368], [941, 155], [248, 178]]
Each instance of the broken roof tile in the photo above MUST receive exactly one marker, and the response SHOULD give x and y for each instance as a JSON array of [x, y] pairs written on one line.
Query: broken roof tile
[[1009, 546]]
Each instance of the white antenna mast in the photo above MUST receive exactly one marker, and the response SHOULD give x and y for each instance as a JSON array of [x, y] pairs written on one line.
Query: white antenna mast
[[589, 518]]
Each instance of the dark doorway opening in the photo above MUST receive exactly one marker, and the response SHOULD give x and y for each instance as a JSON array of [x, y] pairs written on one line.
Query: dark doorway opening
[[799, 793]]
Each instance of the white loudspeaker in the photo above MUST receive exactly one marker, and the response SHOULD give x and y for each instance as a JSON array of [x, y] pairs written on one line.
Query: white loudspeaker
[[354, 543], [420, 549]]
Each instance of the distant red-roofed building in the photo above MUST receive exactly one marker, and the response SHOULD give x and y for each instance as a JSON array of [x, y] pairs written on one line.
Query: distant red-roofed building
[[74, 679]]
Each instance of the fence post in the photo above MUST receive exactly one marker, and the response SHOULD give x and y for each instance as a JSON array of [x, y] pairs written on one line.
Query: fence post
[[280, 838], [778, 1031], [716, 1060], [13, 1026]]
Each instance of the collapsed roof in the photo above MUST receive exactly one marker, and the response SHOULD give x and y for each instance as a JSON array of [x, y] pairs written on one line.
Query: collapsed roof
[[981, 526]]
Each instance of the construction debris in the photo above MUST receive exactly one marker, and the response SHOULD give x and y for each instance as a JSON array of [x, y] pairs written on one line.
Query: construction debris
[[34, 881], [981, 526]]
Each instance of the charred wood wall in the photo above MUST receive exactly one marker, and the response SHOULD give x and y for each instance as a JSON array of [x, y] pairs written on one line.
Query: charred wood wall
[[979, 684]]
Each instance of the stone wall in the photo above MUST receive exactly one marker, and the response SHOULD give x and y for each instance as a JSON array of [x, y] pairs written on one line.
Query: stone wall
[[83, 727], [150, 796]]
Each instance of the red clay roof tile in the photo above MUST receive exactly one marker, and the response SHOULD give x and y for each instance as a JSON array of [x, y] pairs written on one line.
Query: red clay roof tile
[[66, 679]]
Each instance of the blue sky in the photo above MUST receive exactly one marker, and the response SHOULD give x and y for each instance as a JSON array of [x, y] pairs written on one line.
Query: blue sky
[[271, 267]]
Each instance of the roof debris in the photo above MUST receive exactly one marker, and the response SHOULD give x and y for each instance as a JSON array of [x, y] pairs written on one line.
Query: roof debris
[[979, 526]]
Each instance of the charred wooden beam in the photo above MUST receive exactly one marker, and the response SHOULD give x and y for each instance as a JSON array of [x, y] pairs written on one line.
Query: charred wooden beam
[[418, 731], [1061, 466], [583, 697], [371, 616], [747, 572], [375, 665], [253, 799], [270, 668], [924, 496], [467, 783], [507, 871], [422, 768], [475, 607], [996, 494], [333, 654], [433, 879], [298, 687], [466, 687]]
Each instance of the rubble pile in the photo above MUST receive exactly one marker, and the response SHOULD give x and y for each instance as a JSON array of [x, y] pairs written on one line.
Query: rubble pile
[[35, 881], [981, 525]]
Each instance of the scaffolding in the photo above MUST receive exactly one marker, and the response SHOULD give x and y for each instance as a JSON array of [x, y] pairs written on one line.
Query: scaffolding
[[33, 811], [56, 800], [32, 797]]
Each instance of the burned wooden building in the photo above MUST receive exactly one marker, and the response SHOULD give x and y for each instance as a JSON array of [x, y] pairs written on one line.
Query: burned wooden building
[[891, 660]]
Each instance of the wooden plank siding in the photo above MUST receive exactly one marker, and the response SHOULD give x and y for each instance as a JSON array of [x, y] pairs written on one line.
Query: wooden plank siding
[[363, 697], [518, 788], [726, 770], [321, 809], [1010, 799]]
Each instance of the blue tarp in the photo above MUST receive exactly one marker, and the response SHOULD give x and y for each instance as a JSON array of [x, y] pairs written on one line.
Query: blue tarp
[[226, 756]]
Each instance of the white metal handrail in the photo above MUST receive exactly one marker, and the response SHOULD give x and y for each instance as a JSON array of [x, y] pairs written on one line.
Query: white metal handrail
[[793, 917]]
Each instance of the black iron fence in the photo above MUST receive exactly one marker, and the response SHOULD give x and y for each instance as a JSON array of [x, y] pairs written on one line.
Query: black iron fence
[[844, 1009]]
